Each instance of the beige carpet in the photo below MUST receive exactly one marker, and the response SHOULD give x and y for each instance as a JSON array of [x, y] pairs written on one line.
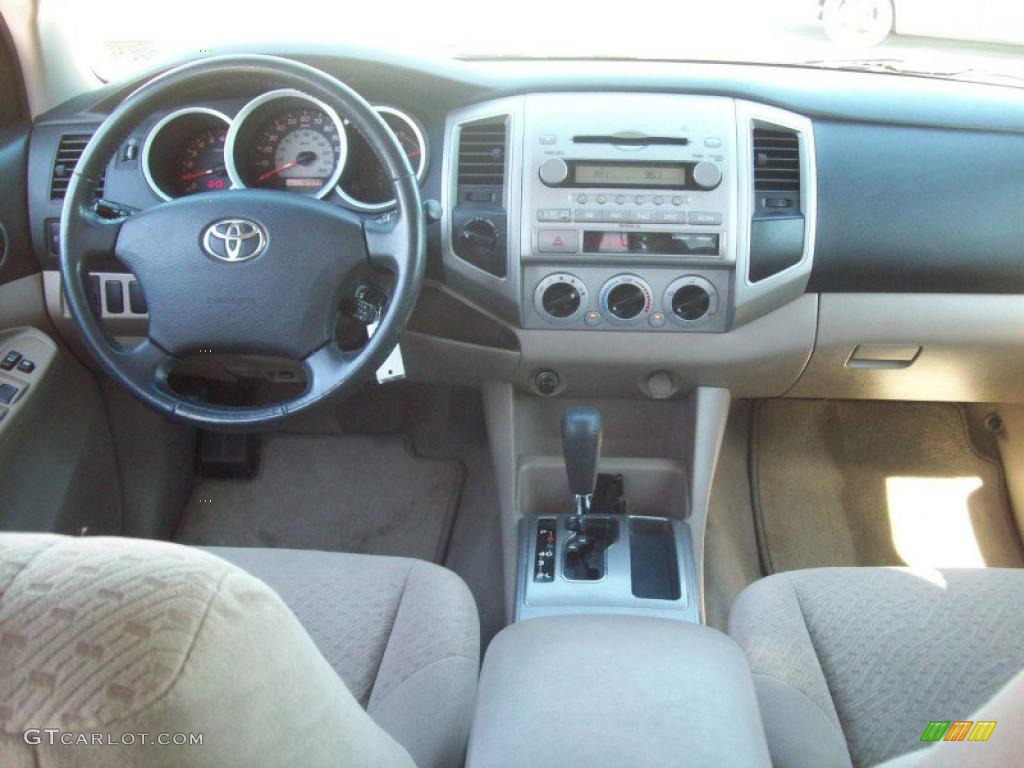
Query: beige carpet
[[872, 483], [363, 494]]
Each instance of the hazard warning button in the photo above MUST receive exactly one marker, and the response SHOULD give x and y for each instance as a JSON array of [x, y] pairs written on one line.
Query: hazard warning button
[[558, 240]]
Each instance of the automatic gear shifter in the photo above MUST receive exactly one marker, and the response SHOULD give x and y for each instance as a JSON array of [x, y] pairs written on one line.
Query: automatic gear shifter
[[581, 444]]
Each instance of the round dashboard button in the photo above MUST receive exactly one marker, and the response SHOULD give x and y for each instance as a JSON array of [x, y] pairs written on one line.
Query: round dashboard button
[[677, 201], [600, 199], [657, 320], [639, 199], [619, 199], [659, 200], [581, 199], [592, 318]]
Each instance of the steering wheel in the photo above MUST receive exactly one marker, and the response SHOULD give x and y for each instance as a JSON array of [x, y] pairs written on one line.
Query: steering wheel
[[281, 298]]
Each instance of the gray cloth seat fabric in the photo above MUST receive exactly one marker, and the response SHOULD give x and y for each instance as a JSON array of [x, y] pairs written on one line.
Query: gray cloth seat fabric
[[403, 635], [851, 664]]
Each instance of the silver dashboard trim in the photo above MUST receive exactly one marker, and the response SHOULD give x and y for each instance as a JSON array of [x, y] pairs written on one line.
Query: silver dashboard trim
[[753, 300], [420, 171], [265, 98], [147, 146], [477, 284]]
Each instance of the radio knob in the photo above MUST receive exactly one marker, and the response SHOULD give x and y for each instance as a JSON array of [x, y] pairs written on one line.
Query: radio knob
[[707, 175], [554, 171]]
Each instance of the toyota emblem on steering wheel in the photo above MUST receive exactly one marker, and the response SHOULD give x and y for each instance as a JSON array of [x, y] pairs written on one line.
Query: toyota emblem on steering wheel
[[234, 240]]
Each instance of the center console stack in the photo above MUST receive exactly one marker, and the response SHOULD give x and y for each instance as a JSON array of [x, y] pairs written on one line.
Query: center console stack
[[597, 558]]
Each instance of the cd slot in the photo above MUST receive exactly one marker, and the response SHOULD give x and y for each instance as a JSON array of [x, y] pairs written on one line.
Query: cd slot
[[633, 141], [651, 243]]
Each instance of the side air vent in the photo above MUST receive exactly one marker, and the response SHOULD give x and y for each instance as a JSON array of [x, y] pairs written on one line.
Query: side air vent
[[776, 160], [482, 153], [778, 228], [479, 219], [69, 152]]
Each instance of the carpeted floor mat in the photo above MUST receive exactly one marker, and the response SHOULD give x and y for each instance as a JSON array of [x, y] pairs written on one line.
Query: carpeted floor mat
[[873, 483], [363, 494]]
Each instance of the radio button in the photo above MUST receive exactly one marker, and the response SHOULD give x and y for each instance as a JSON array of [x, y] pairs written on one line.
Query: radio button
[[558, 240], [707, 175], [645, 217], [658, 200], [670, 217], [554, 171], [554, 214], [712, 142], [587, 215], [677, 201], [619, 217], [639, 199], [581, 199], [620, 200], [601, 199], [703, 219]]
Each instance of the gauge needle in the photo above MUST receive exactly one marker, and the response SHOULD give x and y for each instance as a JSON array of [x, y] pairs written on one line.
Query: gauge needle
[[197, 174], [277, 170]]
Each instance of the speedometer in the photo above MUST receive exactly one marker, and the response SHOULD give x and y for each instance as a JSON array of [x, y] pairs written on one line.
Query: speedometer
[[288, 141]]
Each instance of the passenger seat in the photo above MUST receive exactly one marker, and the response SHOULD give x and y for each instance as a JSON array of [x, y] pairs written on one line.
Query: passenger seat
[[852, 664]]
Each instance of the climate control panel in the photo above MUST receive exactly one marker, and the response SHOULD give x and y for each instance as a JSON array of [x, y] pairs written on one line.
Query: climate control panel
[[669, 299]]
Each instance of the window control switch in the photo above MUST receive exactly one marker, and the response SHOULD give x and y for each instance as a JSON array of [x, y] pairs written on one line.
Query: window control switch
[[7, 394], [26, 366], [10, 360]]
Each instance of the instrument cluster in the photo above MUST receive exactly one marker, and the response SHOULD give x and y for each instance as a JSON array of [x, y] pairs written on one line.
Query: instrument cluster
[[283, 140]]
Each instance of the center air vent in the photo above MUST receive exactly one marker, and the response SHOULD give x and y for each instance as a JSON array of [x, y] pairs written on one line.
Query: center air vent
[[69, 152], [776, 160], [482, 153]]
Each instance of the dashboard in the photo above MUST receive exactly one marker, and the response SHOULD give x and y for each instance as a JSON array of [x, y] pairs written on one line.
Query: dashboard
[[631, 228]]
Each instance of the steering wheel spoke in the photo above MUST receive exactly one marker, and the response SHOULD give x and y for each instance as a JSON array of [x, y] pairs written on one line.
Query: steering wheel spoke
[[95, 236], [387, 244], [147, 361], [324, 368]]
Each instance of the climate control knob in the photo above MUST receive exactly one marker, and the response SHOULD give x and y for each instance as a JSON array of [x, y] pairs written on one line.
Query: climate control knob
[[626, 298], [560, 298], [707, 175], [690, 300]]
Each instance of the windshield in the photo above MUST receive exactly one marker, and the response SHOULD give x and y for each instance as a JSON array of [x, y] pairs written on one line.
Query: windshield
[[982, 40]]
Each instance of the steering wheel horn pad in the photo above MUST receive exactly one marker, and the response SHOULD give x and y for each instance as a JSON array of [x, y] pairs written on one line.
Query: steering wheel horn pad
[[282, 301], [244, 271]]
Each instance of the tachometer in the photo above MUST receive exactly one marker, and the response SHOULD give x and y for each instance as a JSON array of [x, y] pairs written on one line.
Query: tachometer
[[364, 183], [288, 141], [184, 153]]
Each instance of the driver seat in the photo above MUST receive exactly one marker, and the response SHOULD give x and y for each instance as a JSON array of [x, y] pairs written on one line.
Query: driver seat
[[355, 660]]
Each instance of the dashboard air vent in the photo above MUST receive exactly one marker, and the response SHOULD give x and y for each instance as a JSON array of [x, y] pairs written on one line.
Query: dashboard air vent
[[482, 153], [776, 160], [69, 152]]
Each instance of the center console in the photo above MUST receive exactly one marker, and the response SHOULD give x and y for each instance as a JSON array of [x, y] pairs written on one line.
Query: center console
[[628, 212], [615, 691]]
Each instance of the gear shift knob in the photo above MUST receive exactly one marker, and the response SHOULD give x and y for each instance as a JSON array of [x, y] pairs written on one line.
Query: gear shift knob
[[581, 444]]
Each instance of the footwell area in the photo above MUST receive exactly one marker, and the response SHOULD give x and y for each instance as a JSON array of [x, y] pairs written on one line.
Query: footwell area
[[866, 483], [367, 494]]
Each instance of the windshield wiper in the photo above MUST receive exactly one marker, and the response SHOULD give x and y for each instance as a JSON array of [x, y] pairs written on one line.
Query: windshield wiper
[[901, 67]]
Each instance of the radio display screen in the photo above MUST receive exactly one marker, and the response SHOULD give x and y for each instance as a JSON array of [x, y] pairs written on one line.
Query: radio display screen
[[630, 174]]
